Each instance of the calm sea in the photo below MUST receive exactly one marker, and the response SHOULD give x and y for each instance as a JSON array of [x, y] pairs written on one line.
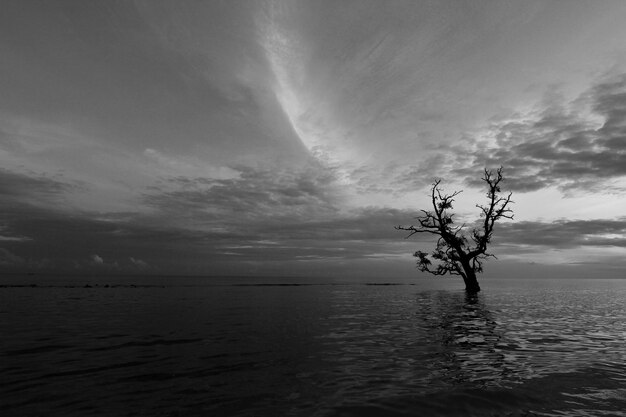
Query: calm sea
[[280, 347]]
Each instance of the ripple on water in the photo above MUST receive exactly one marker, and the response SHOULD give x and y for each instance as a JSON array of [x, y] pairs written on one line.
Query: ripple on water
[[311, 350]]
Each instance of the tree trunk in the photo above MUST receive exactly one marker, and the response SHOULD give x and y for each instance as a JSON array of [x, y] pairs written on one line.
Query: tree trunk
[[471, 283]]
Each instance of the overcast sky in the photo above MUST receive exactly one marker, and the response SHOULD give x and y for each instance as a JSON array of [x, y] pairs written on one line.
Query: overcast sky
[[289, 137]]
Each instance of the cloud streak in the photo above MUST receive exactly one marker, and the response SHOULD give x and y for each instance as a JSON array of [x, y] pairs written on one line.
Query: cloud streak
[[565, 233]]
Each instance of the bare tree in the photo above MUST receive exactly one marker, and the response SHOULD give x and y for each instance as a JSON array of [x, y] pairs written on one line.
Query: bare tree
[[455, 253]]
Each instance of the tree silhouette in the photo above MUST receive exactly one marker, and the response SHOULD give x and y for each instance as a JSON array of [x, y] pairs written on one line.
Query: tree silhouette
[[455, 253]]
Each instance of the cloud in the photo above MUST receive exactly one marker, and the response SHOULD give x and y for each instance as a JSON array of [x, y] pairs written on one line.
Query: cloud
[[18, 186], [564, 233], [97, 259], [71, 242], [575, 145], [7, 237], [171, 166], [197, 225], [139, 263], [257, 195], [258, 224], [9, 258]]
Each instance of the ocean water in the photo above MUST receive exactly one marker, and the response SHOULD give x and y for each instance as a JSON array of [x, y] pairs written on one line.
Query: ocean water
[[115, 346]]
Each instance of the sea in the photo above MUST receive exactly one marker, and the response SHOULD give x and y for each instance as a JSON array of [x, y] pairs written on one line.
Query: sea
[[193, 346]]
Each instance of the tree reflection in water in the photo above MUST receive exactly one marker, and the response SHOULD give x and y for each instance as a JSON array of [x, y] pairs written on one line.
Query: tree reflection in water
[[469, 339]]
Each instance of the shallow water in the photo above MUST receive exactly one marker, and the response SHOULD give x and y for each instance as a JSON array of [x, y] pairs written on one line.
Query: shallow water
[[244, 347]]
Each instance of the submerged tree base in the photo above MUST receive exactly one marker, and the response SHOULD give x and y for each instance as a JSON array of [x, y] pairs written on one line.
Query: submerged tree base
[[471, 282], [472, 288]]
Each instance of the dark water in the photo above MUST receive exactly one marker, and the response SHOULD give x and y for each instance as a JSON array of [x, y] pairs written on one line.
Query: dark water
[[194, 347]]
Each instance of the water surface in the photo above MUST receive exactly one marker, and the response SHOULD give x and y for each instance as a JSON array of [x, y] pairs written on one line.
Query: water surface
[[285, 347]]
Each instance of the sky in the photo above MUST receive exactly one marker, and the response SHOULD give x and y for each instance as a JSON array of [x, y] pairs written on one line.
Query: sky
[[288, 138]]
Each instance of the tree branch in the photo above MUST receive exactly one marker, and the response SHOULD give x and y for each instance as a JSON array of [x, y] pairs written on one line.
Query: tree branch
[[452, 253]]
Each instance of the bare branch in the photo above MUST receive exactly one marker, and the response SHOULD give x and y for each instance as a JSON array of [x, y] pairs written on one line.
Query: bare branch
[[414, 230], [452, 254]]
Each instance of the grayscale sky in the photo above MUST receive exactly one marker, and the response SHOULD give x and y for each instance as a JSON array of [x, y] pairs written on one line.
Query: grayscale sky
[[289, 137]]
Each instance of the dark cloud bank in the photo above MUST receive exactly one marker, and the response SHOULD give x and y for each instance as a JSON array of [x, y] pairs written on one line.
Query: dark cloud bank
[[204, 227], [257, 223], [576, 146]]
